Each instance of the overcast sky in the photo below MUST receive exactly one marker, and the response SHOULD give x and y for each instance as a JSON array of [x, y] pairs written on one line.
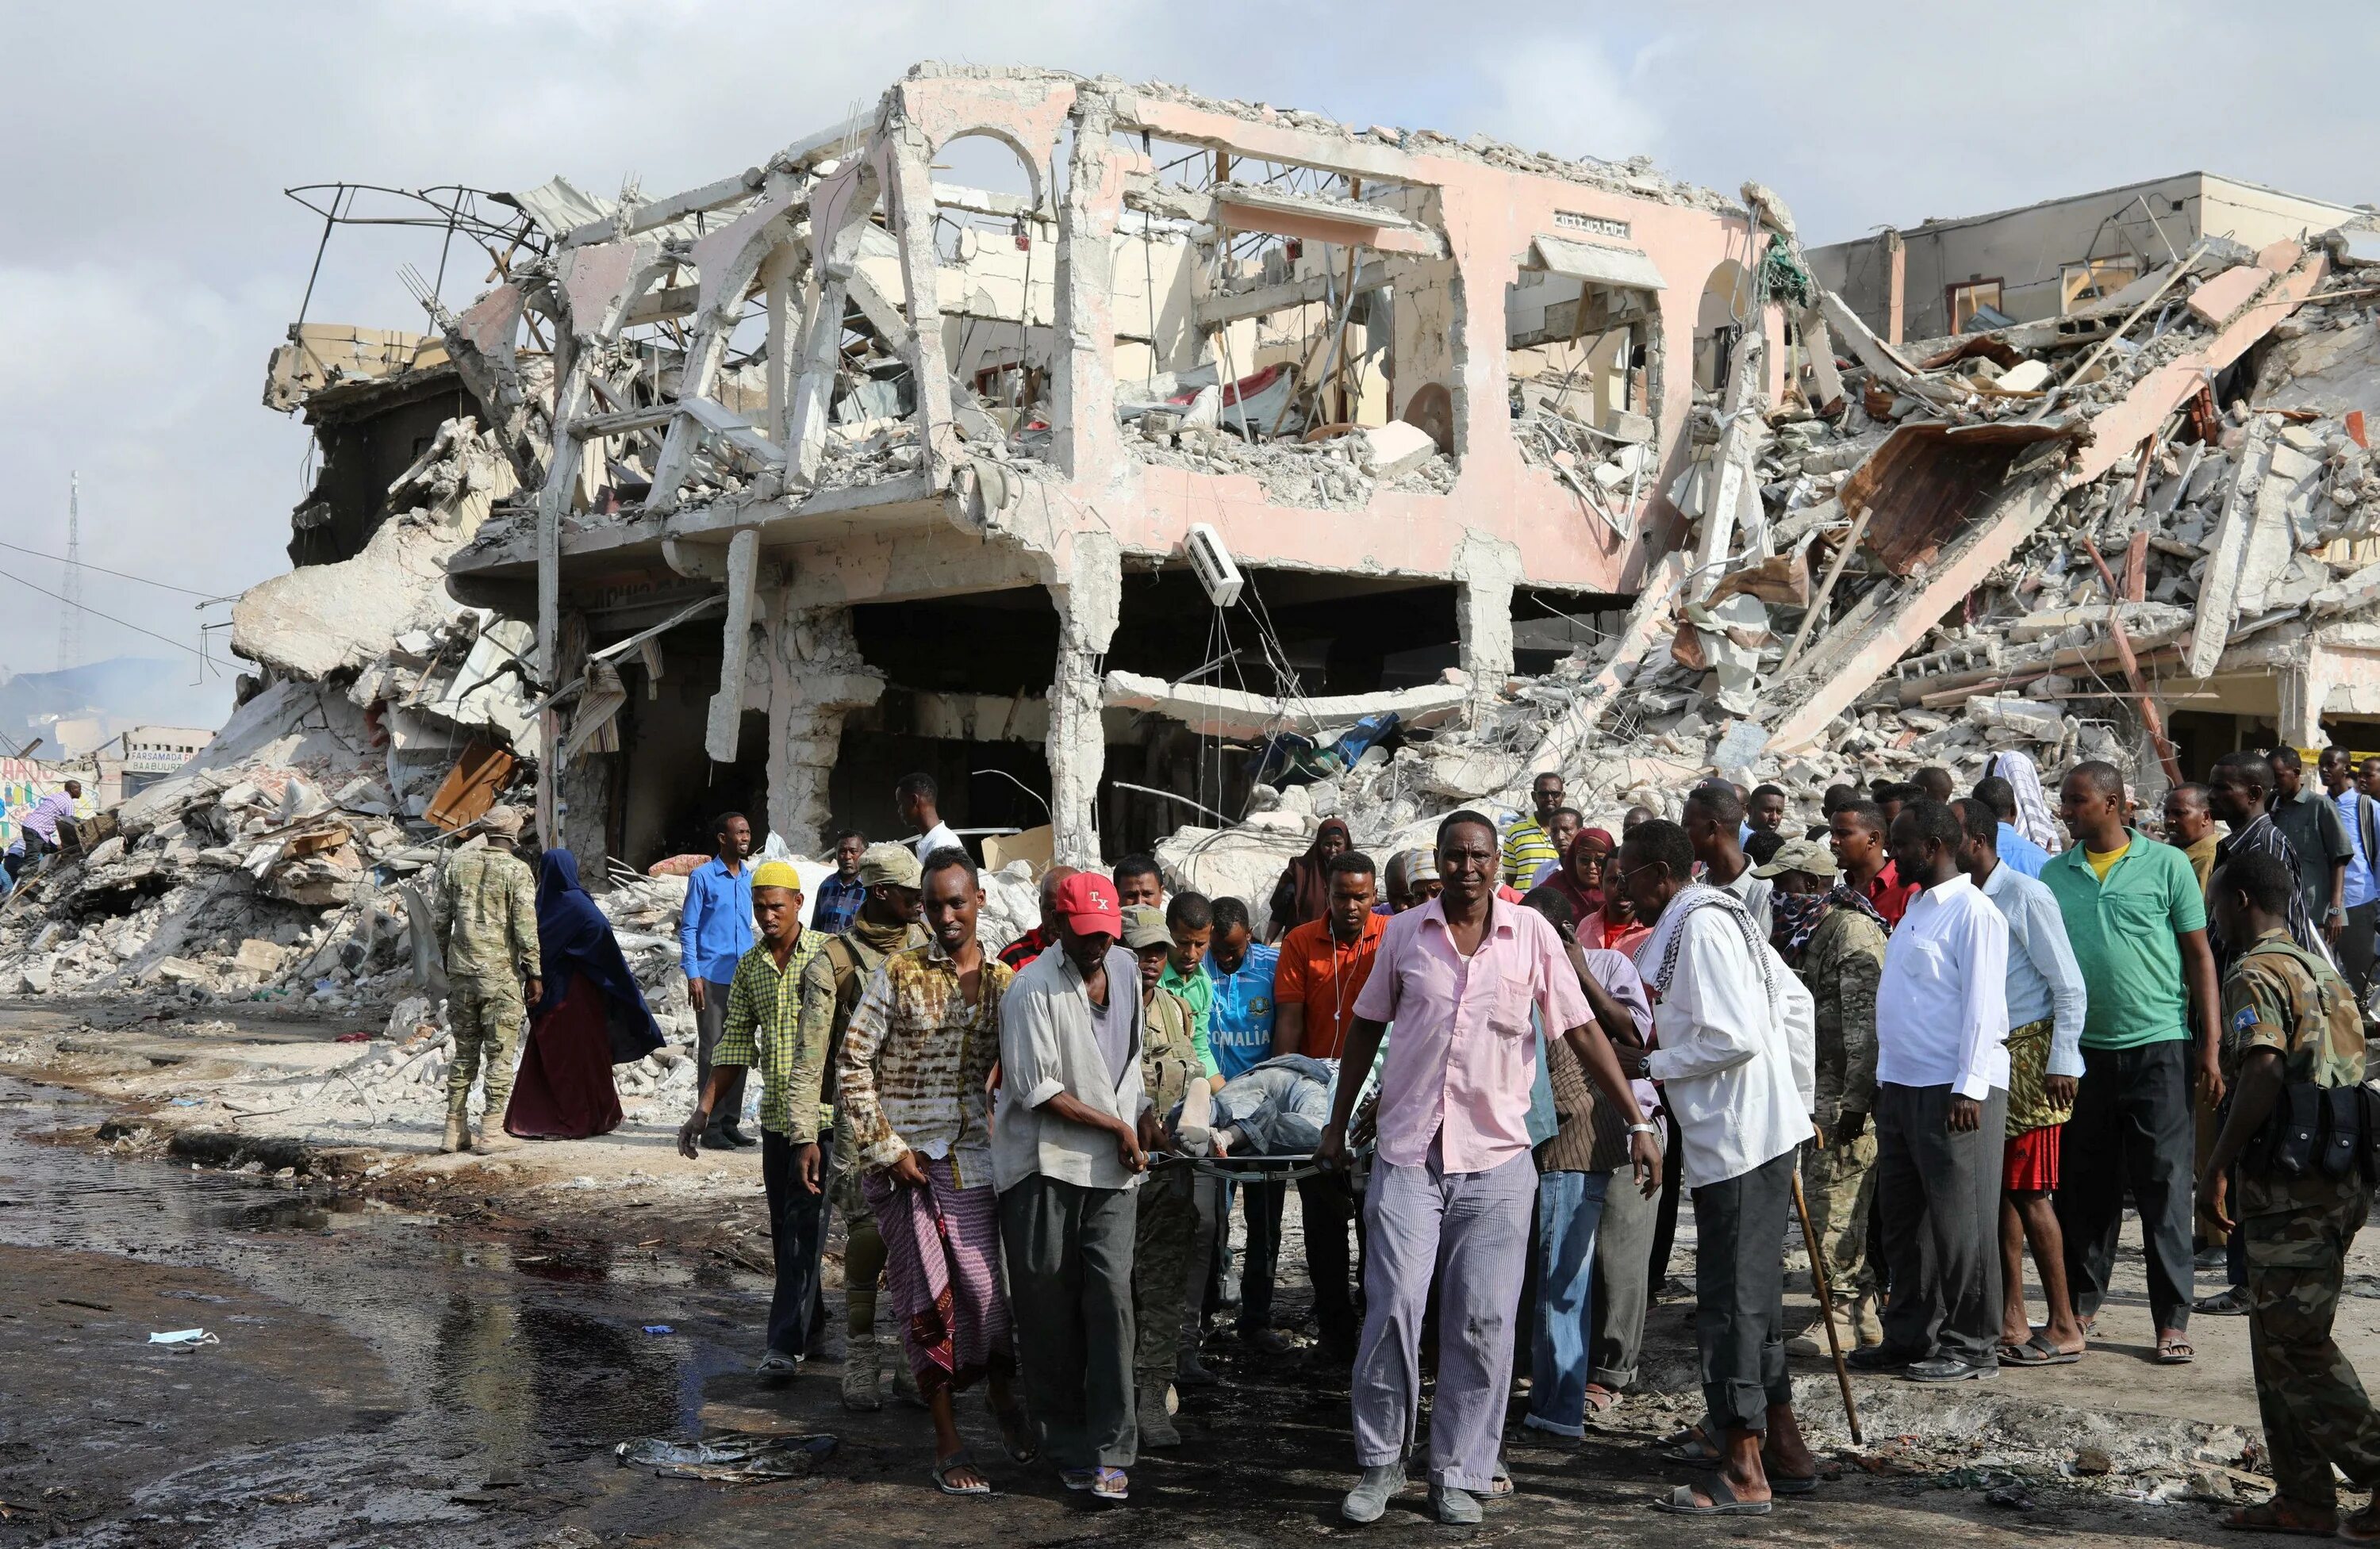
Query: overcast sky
[[149, 261]]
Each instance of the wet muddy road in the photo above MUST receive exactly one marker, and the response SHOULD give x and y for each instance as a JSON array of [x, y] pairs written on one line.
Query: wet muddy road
[[383, 1378]]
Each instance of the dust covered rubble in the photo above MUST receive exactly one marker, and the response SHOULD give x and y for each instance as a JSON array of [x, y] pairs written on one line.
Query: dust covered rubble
[[288, 860], [2273, 491]]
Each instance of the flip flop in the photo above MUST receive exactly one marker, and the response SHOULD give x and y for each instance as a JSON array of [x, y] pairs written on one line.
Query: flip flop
[[2037, 1351], [1111, 1485], [959, 1459], [1681, 1502], [2175, 1352]]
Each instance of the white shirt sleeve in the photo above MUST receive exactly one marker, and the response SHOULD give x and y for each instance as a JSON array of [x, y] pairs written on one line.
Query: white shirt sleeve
[[1982, 941], [2053, 957]]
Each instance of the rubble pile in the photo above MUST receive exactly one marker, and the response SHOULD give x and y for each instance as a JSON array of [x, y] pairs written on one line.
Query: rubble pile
[[288, 860], [2237, 526]]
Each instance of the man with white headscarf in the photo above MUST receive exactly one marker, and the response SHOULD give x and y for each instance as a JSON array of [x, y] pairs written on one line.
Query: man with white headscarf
[[2033, 819]]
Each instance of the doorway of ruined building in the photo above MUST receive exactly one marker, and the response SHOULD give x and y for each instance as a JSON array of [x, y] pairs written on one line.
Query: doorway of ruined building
[[1274, 305], [1583, 361], [968, 681], [1721, 318], [966, 700], [995, 227], [1295, 636], [666, 792]]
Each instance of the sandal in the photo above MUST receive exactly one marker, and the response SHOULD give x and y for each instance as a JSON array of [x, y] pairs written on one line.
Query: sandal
[[1017, 1434], [2274, 1516], [2231, 1303], [1600, 1399], [1681, 1502], [2037, 1351], [1111, 1485], [959, 1459], [2174, 1351], [1689, 1445]]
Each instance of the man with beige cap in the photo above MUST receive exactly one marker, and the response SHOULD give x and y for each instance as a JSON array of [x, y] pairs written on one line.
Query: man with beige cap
[[1831, 935], [485, 914]]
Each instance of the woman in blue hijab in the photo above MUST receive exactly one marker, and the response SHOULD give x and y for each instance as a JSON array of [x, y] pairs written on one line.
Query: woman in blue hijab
[[591, 1017]]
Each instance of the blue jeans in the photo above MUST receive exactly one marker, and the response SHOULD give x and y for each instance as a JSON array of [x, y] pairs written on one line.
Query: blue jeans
[[1570, 1207]]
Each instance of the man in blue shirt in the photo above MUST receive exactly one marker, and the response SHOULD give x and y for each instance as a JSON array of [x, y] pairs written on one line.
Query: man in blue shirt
[[2016, 852], [714, 932], [840, 896], [2361, 817], [1240, 1036]]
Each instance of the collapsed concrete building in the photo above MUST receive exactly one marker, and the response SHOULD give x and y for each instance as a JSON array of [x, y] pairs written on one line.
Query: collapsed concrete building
[[1233, 469], [953, 502]]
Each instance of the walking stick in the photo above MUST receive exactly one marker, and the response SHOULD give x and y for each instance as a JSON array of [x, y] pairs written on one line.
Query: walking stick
[[1826, 1309]]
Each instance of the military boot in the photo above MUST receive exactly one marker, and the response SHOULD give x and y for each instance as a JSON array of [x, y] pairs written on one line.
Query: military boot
[[863, 1374], [458, 1134]]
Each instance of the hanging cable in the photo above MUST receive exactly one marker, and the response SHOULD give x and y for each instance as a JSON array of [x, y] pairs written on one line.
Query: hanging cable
[[112, 619], [120, 575]]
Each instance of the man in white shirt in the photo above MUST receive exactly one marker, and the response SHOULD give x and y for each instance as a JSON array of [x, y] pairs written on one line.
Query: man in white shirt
[[1941, 1110], [1728, 1075], [917, 800], [2046, 1001], [1713, 819]]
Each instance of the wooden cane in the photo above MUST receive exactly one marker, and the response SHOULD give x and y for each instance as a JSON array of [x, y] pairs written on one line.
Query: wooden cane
[[1826, 1309]]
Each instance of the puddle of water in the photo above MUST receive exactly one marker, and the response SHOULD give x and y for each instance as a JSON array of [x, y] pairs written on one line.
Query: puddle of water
[[505, 1350]]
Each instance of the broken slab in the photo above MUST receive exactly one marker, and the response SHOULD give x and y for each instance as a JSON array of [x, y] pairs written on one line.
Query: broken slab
[[1215, 711], [1390, 452], [2220, 589], [321, 619], [2214, 302]]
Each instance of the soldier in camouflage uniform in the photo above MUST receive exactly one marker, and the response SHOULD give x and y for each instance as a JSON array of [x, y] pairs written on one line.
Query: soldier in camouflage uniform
[[485, 914], [1833, 937], [887, 922], [1168, 1209], [2288, 1018]]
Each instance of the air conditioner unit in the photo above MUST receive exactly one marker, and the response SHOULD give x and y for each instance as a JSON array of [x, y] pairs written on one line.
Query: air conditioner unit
[[1213, 563]]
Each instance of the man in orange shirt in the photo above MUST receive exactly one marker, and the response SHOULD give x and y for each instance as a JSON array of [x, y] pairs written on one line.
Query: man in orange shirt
[[1323, 966]]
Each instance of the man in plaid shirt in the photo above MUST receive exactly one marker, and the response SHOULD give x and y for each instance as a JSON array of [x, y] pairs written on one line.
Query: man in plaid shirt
[[767, 1017]]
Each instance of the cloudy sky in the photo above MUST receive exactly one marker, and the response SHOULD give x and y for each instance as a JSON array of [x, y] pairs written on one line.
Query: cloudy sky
[[150, 261]]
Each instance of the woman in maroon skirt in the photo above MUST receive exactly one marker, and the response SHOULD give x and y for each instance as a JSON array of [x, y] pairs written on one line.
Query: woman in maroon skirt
[[591, 1016]]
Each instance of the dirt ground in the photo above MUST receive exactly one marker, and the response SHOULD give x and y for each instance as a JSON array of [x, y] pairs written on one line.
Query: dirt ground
[[436, 1350]]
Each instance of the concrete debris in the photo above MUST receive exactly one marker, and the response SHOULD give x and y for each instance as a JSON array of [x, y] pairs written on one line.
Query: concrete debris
[[1522, 462]]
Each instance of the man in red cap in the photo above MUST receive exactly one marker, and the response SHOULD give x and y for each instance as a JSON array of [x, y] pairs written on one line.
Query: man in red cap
[[1069, 1145]]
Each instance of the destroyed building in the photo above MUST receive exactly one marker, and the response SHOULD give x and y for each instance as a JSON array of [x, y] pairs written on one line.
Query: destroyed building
[[912, 470], [1231, 469]]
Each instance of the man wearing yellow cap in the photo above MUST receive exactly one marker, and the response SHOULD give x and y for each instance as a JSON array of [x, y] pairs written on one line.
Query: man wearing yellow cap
[[765, 1013]]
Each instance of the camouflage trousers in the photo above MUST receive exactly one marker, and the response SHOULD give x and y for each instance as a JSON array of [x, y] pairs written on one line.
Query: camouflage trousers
[[2314, 1410], [1839, 1183], [1166, 1229], [486, 1016]]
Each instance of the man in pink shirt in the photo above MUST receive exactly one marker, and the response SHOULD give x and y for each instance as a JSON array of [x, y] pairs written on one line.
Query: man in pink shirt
[[1453, 1178]]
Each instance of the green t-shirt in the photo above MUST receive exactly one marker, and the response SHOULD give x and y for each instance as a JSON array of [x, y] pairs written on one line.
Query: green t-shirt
[[2122, 931], [1199, 991]]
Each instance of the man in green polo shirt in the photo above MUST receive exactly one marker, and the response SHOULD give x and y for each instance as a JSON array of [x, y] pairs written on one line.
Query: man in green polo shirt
[[2137, 921]]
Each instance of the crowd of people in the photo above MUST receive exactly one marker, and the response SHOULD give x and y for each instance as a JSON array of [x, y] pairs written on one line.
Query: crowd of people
[[1959, 1031]]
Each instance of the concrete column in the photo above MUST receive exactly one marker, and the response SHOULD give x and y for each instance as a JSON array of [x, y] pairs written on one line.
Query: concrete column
[[1083, 364], [1087, 596], [2305, 687], [816, 677], [1485, 572]]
